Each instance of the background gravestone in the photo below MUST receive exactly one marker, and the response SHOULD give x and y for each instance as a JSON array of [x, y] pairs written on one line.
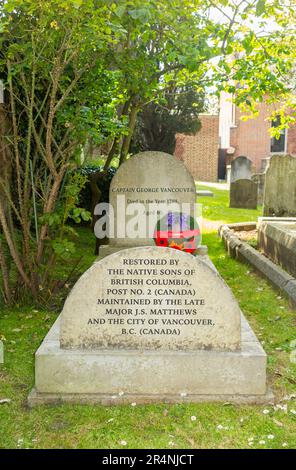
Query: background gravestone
[[150, 177], [280, 187], [243, 194], [259, 179], [241, 168]]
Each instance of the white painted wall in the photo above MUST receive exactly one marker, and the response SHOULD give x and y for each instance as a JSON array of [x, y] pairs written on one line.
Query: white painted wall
[[225, 119]]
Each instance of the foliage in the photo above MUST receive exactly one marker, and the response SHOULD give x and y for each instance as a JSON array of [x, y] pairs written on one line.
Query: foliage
[[158, 123], [260, 64], [59, 94], [103, 184]]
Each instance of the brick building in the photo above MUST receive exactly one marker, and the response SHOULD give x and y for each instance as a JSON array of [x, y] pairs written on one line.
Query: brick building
[[200, 151], [251, 138]]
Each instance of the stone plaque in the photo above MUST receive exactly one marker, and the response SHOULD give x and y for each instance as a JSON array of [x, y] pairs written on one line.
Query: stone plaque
[[241, 168], [151, 298], [149, 178], [243, 194]]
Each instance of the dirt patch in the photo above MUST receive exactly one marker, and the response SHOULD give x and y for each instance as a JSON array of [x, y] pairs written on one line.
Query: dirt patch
[[247, 235]]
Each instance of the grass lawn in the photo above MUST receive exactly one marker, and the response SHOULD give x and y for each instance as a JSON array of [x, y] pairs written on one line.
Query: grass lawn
[[157, 426]]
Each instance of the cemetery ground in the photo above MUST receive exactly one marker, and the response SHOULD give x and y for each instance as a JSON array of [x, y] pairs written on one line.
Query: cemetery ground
[[157, 426]]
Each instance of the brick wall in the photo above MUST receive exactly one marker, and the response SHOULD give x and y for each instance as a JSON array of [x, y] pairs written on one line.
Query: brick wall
[[200, 151], [251, 138], [291, 141]]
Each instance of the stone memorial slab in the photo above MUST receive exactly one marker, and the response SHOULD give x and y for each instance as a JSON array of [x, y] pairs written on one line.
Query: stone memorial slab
[[151, 323], [151, 298], [189, 343], [243, 194], [149, 178], [259, 179], [280, 187], [277, 240], [241, 169]]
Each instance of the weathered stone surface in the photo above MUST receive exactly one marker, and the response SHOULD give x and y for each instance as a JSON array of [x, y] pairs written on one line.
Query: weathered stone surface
[[278, 241], [280, 187], [114, 377], [264, 164], [276, 219], [242, 226], [274, 273], [241, 169], [228, 173], [290, 289], [150, 178], [259, 179], [243, 194], [198, 311]]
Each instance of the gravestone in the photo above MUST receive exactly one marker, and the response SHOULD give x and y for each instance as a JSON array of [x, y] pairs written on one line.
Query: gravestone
[[259, 179], [147, 178], [243, 194], [241, 169], [1, 352], [150, 324], [157, 289], [228, 174], [280, 187]]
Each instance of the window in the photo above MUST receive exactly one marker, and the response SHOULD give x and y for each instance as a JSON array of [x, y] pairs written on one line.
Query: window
[[278, 145]]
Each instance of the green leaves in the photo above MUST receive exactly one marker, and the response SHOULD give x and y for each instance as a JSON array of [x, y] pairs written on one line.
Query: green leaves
[[78, 214], [260, 7], [141, 14], [53, 219], [63, 248]]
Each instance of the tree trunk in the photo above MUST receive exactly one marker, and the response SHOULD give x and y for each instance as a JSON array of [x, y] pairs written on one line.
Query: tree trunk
[[111, 154], [5, 155], [127, 139]]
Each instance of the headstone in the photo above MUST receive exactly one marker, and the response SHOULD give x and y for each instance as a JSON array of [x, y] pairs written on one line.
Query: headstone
[[264, 164], [241, 168], [151, 298], [148, 178], [228, 174], [1, 352], [280, 187], [259, 179], [150, 324], [243, 194]]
